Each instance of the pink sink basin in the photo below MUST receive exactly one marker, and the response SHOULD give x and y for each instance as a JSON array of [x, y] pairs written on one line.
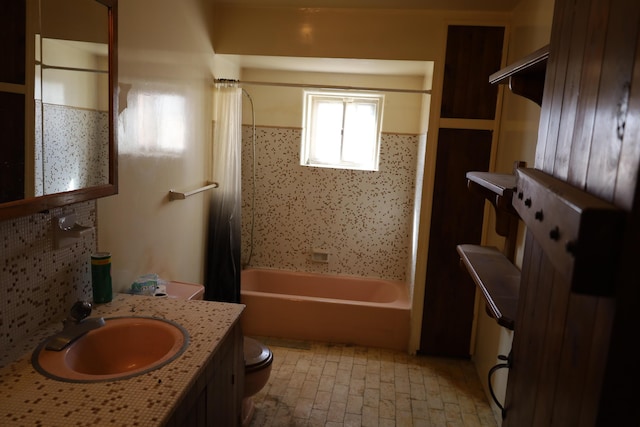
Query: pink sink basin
[[122, 348]]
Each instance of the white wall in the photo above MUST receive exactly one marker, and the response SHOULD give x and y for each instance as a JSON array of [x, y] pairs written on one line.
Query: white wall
[[164, 130], [164, 48], [531, 29], [282, 106], [87, 90]]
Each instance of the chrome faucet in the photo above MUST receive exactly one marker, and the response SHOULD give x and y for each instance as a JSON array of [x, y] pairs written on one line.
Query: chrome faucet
[[75, 325]]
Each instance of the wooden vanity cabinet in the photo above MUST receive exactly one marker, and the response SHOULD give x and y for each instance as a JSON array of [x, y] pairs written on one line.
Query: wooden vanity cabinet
[[215, 399]]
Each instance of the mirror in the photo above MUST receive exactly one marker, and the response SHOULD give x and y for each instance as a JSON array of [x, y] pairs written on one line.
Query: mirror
[[70, 150]]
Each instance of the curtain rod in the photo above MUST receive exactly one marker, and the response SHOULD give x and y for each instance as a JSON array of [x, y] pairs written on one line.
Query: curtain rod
[[313, 86]]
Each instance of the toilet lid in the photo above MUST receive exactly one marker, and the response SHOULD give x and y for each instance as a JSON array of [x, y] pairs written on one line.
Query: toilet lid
[[256, 354]]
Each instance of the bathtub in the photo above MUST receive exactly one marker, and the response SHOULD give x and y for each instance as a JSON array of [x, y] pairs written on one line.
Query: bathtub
[[316, 307]]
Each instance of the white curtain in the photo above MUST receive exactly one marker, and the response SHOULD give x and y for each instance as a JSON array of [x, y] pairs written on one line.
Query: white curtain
[[223, 254]]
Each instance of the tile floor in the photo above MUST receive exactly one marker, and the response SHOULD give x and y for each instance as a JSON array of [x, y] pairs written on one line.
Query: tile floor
[[316, 384]]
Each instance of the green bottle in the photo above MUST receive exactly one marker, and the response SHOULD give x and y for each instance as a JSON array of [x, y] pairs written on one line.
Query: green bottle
[[101, 277]]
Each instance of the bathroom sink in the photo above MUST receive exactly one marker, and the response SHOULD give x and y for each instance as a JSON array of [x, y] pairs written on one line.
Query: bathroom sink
[[124, 347]]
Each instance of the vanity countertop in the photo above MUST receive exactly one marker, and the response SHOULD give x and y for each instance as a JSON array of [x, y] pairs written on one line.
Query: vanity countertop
[[28, 398]]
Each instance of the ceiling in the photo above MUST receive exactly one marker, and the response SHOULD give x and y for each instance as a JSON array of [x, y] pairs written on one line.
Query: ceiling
[[353, 65], [330, 65], [488, 5]]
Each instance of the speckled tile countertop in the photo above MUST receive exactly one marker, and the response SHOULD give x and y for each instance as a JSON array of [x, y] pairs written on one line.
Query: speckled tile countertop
[[27, 398]]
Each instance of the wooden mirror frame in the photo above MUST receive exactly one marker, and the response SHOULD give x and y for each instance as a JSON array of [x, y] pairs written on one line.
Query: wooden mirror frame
[[33, 205]]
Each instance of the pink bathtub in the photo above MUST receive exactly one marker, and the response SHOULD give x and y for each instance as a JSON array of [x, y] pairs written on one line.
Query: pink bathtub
[[337, 309]]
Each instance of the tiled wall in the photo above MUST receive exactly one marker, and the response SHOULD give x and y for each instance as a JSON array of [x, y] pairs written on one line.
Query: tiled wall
[[38, 283], [80, 164], [362, 218]]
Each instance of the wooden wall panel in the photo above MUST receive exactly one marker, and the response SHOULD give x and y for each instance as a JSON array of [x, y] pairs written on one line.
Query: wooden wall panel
[[574, 362], [557, 359], [520, 397], [603, 322], [553, 341], [537, 341], [629, 164], [618, 404], [586, 93], [570, 93], [588, 89], [613, 98], [573, 359], [473, 54], [457, 218], [554, 83]]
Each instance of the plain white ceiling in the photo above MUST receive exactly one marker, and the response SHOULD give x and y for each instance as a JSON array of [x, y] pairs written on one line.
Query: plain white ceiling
[[330, 65], [496, 5], [352, 65]]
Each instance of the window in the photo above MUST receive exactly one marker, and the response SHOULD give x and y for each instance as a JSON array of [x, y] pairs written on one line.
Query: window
[[341, 130], [157, 123]]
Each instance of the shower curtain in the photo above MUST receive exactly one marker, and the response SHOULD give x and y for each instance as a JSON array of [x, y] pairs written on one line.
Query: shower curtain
[[222, 281]]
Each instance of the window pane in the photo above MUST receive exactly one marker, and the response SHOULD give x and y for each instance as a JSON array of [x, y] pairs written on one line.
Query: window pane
[[326, 129], [360, 133], [341, 130]]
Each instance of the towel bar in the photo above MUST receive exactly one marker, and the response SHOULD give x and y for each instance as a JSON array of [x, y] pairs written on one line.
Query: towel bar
[[177, 195]]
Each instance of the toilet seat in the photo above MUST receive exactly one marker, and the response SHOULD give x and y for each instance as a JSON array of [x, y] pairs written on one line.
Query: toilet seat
[[256, 355]]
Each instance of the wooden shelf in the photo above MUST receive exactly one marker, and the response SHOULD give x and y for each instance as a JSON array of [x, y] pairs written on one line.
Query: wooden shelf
[[498, 188], [497, 278], [493, 271], [526, 76], [13, 88], [532, 64]]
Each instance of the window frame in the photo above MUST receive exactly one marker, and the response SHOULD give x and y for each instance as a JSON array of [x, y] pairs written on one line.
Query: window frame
[[310, 100]]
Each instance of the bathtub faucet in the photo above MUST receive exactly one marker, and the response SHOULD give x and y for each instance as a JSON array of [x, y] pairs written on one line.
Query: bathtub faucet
[[74, 326]]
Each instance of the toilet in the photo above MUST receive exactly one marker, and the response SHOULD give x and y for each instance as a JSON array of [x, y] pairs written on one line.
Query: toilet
[[257, 368], [257, 356]]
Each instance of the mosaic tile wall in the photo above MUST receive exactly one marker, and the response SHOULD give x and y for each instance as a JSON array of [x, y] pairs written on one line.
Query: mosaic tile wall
[[39, 283], [363, 219], [79, 159]]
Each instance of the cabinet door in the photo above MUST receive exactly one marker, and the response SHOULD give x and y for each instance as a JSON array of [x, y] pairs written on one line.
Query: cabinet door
[[13, 41], [456, 218], [12, 99], [224, 390], [473, 54], [12, 149], [216, 397]]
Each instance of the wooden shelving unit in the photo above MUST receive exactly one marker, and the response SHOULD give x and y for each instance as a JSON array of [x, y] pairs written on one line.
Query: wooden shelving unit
[[526, 76], [492, 270]]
